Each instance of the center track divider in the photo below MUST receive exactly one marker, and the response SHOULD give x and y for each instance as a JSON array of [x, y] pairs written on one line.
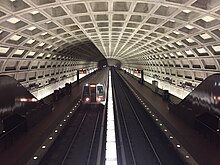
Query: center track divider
[[184, 154], [121, 144], [111, 153], [102, 138]]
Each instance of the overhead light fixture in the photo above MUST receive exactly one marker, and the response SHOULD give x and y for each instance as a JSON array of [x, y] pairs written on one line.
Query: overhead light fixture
[[3, 50], [19, 51], [176, 32], [48, 55], [201, 50], [15, 37], [172, 55], [31, 53], [208, 19], [215, 47], [31, 41], [187, 11], [205, 36], [189, 52], [170, 45], [189, 27], [31, 28], [179, 43], [41, 44], [190, 40], [40, 55], [42, 34], [34, 12], [13, 20], [179, 53]]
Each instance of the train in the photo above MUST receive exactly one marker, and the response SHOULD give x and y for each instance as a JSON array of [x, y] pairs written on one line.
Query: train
[[93, 93]]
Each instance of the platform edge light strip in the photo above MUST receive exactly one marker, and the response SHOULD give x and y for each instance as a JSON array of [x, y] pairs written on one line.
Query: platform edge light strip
[[111, 154]]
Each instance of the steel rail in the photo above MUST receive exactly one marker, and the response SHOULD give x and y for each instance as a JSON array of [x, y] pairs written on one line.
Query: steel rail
[[93, 139], [74, 138]]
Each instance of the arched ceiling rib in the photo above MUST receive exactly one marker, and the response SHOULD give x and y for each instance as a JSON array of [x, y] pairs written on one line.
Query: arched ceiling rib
[[178, 38]]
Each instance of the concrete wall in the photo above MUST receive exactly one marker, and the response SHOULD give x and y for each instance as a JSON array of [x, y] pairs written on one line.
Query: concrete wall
[[49, 89], [177, 91]]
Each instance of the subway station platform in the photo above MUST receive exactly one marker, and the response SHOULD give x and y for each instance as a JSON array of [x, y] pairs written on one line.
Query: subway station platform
[[23, 148], [201, 148]]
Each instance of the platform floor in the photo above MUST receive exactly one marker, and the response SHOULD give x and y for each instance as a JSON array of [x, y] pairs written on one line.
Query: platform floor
[[25, 146], [203, 151]]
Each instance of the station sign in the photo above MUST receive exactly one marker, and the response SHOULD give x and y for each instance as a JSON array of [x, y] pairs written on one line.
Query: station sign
[[82, 72], [136, 71]]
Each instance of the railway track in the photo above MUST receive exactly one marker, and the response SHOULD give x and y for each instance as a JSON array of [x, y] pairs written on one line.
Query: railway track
[[139, 140], [79, 141]]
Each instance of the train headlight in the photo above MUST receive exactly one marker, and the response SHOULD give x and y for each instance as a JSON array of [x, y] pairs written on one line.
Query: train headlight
[[87, 99]]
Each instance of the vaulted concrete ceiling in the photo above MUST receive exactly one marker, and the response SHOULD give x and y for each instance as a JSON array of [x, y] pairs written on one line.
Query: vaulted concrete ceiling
[[176, 38]]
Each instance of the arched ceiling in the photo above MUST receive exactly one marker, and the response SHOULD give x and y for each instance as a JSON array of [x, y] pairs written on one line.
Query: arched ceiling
[[178, 38]]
